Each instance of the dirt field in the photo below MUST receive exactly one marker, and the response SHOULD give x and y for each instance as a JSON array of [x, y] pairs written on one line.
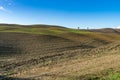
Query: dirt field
[[57, 53]]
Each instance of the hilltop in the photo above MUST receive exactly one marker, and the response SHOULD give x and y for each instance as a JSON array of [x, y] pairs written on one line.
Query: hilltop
[[107, 30], [50, 52]]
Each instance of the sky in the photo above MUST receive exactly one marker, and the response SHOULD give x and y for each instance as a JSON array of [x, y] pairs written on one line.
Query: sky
[[68, 13]]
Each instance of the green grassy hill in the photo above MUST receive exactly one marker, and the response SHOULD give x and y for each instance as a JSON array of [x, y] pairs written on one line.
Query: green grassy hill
[[58, 53], [38, 29]]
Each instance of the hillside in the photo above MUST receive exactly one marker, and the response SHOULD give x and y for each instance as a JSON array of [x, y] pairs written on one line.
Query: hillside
[[44, 52], [107, 30]]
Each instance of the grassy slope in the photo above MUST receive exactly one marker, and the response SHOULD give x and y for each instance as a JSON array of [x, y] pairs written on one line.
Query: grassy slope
[[40, 30], [95, 39], [60, 31]]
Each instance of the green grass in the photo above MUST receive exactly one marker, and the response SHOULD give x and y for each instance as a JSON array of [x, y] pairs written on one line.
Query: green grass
[[31, 30], [115, 76], [105, 75], [112, 76], [46, 31], [79, 31]]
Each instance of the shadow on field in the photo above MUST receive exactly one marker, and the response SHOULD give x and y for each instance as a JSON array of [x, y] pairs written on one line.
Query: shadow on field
[[9, 50], [10, 78], [69, 77]]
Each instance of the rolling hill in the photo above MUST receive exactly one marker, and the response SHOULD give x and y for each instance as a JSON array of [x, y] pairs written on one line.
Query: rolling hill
[[47, 52]]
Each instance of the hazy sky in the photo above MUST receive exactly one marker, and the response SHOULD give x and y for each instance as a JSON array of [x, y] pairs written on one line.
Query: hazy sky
[[69, 13]]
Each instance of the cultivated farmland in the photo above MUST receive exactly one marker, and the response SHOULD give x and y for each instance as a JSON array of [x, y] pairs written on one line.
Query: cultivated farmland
[[43, 52]]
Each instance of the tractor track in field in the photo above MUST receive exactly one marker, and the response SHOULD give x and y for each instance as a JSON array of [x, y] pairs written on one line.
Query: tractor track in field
[[73, 67], [78, 66]]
